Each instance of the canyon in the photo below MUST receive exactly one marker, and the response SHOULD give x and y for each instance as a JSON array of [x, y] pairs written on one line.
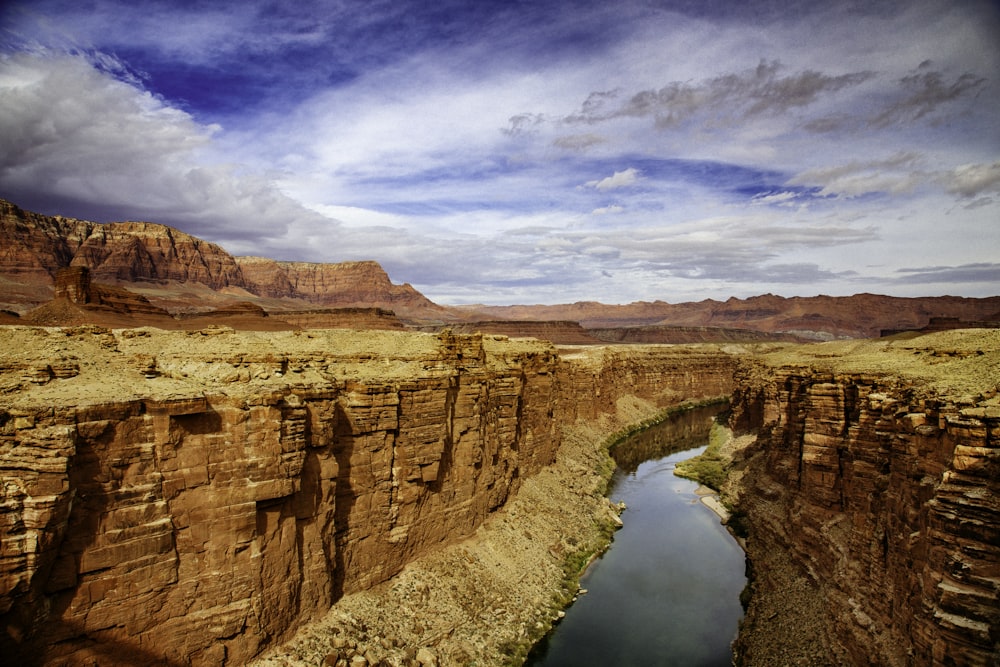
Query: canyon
[[193, 497], [216, 496]]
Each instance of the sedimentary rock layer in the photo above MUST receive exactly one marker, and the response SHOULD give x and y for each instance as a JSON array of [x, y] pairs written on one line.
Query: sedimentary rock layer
[[872, 493], [193, 497]]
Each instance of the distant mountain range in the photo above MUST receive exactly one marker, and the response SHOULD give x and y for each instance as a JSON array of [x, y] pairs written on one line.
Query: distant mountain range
[[184, 275]]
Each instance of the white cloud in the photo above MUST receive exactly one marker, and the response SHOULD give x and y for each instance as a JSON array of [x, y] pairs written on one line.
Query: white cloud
[[620, 179], [898, 174], [458, 164], [70, 132]]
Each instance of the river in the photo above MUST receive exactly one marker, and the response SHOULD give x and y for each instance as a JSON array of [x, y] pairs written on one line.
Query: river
[[667, 591]]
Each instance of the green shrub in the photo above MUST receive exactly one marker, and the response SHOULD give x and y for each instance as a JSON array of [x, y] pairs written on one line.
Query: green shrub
[[707, 468]]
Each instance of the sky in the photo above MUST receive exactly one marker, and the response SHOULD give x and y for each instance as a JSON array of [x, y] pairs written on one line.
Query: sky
[[519, 152]]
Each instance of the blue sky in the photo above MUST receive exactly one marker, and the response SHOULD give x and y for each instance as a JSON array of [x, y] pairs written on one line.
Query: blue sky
[[529, 152]]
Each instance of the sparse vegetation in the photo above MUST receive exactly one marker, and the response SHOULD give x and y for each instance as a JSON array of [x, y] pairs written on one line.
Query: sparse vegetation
[[709, 467], [620, 436]]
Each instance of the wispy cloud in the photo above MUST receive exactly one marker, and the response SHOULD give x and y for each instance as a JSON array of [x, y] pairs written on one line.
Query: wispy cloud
[[926, 91], [724, 99], [982, 272]]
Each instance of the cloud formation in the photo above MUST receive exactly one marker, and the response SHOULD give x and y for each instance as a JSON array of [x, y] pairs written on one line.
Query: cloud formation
[[725, 99], [619, 179], [70, 132]]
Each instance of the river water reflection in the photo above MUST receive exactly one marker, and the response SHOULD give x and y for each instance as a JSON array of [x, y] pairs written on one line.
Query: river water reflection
[[667, 591]]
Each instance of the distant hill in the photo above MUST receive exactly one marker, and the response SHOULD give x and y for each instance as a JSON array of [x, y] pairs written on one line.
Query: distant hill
[[814, 318]]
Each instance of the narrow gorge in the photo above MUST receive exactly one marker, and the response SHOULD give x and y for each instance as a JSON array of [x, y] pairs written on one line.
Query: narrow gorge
[[305, 497]]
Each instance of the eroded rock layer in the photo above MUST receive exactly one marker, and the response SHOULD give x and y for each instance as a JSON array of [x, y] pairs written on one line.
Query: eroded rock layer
[[193, 497], [871, 493]]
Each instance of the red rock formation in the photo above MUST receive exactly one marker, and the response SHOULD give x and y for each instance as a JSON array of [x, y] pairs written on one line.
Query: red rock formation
[[33, 247], [874, 521], [193, 497], [143, 251], [343, 284], [80, 301]]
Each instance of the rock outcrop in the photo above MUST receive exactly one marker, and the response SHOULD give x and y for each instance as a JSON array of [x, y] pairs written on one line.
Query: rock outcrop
[[345, 284], [872, 493], [34, 247], [662, 334], [78, 300], [193, 497], [142, 251], [561, 333]]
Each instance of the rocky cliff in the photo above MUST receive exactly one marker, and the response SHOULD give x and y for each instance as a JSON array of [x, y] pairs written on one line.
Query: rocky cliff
[[34, 247], [662, 334], [872, 493], [194, 497], [354, 284]]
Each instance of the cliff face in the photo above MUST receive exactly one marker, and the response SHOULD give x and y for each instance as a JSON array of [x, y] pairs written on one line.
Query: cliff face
[[355, 284], [34, 247], [192, 497], [142, 251], [873, 502]]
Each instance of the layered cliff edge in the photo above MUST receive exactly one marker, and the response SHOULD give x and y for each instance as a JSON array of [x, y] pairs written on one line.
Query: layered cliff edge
[[872, 497], [197, 497]]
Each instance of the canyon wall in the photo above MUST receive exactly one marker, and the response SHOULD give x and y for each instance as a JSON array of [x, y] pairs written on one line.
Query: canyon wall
[[194, 497], [871, 496]]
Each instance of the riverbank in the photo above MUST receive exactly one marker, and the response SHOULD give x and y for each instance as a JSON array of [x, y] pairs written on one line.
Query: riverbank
[[710, 499]]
